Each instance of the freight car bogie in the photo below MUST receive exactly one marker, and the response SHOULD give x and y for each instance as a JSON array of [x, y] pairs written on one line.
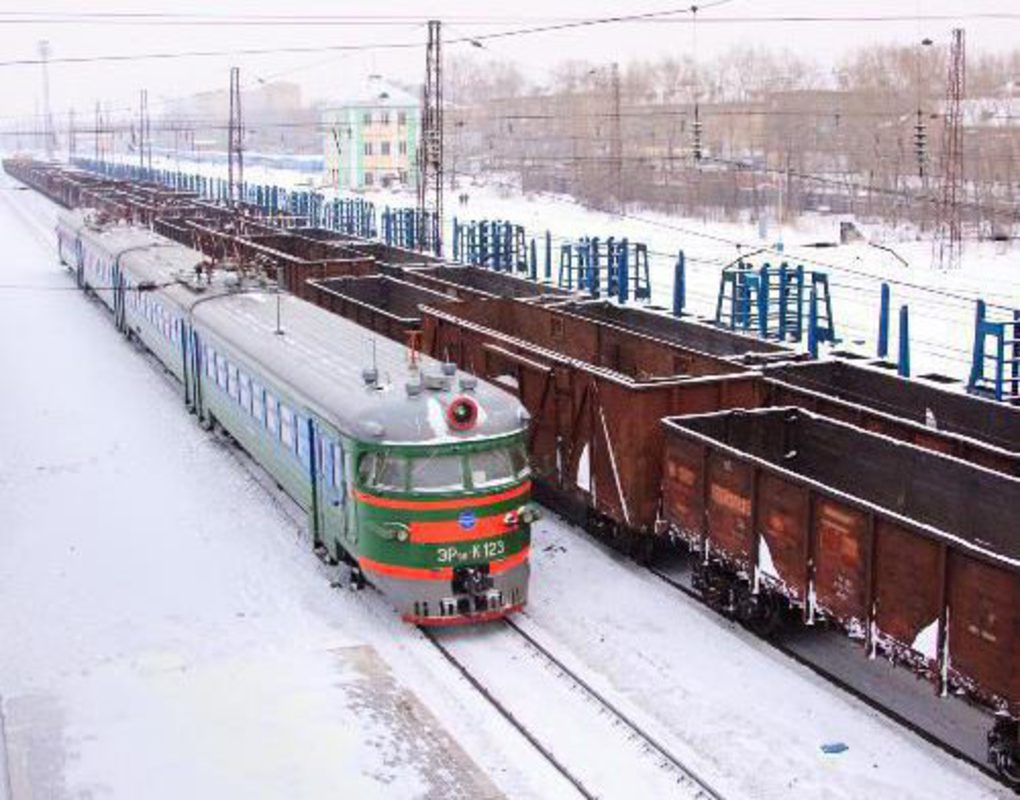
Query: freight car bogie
[[731, 594], [637, 543], [1004, 749]]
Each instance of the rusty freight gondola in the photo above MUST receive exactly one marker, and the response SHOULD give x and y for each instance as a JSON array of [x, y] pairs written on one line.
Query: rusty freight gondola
[[922, 413], [476, 283], [684, 331], [596, 393], [913, 552], [388, 306]]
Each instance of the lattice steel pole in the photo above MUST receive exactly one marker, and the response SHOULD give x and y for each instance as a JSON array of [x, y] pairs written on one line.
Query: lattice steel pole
[[235, 140], [948, 242], [430, 147]]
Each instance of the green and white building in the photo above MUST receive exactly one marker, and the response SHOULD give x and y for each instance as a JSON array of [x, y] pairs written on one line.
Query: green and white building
[[371, 141]]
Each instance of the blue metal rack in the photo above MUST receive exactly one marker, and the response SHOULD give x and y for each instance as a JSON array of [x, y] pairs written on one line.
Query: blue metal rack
[[773, 302], [995, 363]]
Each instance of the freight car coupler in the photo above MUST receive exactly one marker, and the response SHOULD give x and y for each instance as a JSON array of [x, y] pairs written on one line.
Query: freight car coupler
[[1004, 749]]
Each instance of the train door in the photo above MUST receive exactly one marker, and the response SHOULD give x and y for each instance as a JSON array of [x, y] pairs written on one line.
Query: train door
[[79, 262], [193, 396], [117, 288], [186, 365], [330, 490]]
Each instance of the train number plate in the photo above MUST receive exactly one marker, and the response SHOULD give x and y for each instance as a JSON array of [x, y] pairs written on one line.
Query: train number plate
[[454, 554]]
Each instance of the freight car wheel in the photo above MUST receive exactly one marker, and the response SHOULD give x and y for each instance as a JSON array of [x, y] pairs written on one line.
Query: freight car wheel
[[1009, 770], [645, 550], [1004, 750], [761, 612]]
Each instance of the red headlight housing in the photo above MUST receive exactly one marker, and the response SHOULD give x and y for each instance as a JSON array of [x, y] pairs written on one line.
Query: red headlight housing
[[462, 413]]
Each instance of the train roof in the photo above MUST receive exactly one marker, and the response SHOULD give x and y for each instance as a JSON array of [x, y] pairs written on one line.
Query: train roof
[[319, 356]]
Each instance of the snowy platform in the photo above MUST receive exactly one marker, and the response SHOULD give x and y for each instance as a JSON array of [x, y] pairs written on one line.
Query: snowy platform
[[344, 711]]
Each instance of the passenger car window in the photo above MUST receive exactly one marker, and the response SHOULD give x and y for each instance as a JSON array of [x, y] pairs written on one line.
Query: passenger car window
[[286, 426], [272, 415], [338, 465]]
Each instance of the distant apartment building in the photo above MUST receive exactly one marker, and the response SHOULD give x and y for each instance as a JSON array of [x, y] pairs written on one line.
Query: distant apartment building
[[370, 141]]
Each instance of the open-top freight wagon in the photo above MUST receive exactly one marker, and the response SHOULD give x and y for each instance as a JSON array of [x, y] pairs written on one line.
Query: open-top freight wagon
[[985, 432], [911, 551], [388, 306], [596, 393], [477, 283], [684, 331]]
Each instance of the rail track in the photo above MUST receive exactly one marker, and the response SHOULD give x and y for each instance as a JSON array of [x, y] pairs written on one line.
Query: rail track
[[841, 683], [593, 772]]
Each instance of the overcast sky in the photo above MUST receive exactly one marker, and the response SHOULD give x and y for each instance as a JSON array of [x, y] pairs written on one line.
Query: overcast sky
[[391, 28]]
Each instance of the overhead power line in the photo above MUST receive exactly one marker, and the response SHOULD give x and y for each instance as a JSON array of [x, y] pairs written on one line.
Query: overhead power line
[[526, 31]]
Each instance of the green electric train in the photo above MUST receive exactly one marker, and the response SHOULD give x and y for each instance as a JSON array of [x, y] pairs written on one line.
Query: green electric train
[[412, 473]]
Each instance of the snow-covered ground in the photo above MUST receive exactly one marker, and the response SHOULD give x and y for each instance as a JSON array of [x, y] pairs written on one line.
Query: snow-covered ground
[[166, 632]]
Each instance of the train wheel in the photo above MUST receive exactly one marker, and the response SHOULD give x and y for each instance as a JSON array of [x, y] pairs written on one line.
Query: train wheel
[[1008, 768], [645, 550], [761, 613], [1004, 750]]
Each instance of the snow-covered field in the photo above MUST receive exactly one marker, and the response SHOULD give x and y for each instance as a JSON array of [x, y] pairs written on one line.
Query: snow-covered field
[[166, 631]]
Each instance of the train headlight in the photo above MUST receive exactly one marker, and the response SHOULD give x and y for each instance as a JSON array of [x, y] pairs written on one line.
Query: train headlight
[[528, 514], [512, 519], [462, 413]]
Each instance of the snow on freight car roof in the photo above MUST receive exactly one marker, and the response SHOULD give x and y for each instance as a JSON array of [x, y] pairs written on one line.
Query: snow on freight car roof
[[320, 355]]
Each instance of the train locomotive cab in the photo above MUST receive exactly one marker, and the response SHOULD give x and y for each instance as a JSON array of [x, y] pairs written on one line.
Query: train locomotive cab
[[444, 519]]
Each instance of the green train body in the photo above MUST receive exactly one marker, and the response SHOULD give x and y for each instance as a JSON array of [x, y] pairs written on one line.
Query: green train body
[[421, 482]]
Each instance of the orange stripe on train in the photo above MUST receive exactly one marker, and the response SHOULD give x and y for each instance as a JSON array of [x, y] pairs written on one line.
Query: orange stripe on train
[[449, 530], [438, 573], [442, 505]]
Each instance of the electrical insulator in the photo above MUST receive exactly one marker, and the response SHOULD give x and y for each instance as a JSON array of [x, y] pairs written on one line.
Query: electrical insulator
[[697, 139], [920, 144]]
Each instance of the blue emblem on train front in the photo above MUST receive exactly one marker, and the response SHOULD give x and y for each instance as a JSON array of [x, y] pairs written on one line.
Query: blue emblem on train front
[[467, 520]]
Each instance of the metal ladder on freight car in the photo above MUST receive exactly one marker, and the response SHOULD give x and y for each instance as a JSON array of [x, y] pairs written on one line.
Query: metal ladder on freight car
[[995, 370]]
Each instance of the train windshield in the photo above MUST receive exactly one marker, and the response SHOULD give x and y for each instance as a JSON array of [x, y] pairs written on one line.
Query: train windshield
[[382, 471], [493, 467], [443, 472], [437, 473]]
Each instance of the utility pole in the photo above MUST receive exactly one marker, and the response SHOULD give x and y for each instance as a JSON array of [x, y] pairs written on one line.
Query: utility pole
[[48, 134], [144, 145], [70, 137], [430, 146], [96, 131], [235, 144], [948, 241], [616, 137]]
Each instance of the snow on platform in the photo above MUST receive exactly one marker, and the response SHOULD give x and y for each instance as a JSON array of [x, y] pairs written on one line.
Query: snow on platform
[[165, 631]]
